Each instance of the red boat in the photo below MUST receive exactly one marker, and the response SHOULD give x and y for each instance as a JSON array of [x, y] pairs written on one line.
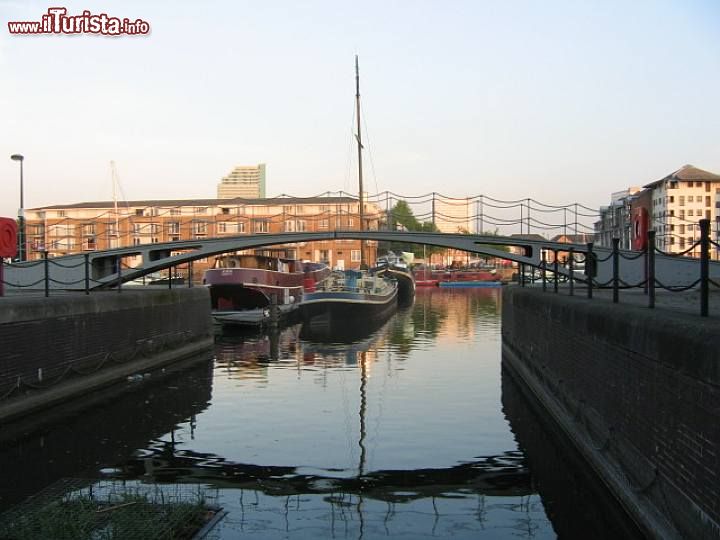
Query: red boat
[[433, 278], [242, 287]]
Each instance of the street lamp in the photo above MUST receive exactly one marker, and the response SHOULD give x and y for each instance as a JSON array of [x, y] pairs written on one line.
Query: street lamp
[[21, 212]]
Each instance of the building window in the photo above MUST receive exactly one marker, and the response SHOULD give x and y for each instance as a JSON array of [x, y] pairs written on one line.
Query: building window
[[672, 198], [673, 185], [175, 211], [225, 211], [323, 223], [88, 229], [154, 228], [355, 255], [200, 228], [201, 210], [241, 227], [222, 227], [681, 200], [136, 241], [707, 202], [289, 225], [261, 226], [61, 213], [351, 222], [138, 211], [174, 227]]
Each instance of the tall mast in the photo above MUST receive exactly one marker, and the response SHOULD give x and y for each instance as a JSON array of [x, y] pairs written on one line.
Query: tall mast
[[358, 136]]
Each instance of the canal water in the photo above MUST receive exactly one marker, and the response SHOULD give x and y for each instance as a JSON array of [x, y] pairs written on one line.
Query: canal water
[[409, 430]]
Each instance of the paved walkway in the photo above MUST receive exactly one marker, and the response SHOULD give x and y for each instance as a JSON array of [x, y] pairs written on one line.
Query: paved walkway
[[687, 302]]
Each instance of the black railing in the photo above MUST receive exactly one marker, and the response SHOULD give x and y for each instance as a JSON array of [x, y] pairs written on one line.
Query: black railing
[[649, 285], [89, 283]]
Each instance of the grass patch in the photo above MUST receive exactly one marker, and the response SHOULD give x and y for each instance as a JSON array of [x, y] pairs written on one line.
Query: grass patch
[[110, 511]]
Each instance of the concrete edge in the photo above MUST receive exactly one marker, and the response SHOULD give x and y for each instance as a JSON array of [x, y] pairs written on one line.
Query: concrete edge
[[20, 407], [649, 520]]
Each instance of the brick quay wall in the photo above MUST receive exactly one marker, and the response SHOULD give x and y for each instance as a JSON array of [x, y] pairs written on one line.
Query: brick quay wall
[[52, 349], [637, 391]]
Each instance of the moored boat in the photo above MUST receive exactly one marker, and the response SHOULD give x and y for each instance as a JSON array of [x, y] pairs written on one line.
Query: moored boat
[[398, 267], [348, 297], [246, 289]]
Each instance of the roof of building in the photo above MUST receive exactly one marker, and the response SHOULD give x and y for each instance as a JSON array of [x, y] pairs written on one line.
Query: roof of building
[[536, 237], [580, 238], [687, 172], [236, 201]]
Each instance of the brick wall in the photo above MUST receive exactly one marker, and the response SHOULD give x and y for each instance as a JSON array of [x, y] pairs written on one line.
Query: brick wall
[[75, 334], [637, 390]]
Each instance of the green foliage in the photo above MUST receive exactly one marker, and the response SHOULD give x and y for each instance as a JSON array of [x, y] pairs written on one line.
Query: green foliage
[[401, 217], [131, 516]]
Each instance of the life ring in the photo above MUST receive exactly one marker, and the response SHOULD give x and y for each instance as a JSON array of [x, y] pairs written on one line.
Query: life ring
[[8, 237], [640, 224]]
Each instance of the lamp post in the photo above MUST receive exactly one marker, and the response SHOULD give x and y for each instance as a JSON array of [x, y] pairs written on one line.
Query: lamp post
[[21, 212]]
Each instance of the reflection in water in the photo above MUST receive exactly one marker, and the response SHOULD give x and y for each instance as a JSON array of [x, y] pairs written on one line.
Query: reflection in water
[[572, 494], [79, 443], [381, 432]]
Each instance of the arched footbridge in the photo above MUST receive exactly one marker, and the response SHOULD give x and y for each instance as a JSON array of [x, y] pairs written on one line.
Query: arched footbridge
[[98, 269]]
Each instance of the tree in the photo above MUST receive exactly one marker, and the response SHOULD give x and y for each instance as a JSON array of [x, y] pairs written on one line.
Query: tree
[[401, 218]]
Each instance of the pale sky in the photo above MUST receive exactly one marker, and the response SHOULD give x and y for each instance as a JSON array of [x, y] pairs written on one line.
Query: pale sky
[[562, 101]]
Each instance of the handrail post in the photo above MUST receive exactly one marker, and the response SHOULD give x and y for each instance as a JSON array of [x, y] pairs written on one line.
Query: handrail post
[[46, 267], [2, 277], [190, 274], [544, 263], [170, 276], [616, 269], [118, 262], [651, 269], [589, 268], [87, 273], [646, 266], [555, 271], [521, 276], [571, 271], [704, 266]]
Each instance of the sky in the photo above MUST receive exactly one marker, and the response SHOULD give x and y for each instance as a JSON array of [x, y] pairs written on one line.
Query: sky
[[561, 101]]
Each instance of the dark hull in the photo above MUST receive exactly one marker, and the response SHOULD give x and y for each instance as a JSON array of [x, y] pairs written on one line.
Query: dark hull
[[405, 281], [338, 317]]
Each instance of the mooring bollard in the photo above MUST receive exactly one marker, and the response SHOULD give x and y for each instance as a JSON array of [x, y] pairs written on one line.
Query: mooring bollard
[[544, 279]]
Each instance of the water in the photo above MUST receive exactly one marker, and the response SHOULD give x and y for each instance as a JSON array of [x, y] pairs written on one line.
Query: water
[[410, 430]]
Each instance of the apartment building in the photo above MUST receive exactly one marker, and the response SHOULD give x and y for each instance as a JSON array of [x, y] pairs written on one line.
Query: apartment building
[[243, 181], [678, 202], [616, 219], [91, 226], [452, 215]]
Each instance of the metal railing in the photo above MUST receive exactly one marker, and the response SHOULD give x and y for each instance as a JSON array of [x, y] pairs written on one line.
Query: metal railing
[[87, 281], [650, 284]]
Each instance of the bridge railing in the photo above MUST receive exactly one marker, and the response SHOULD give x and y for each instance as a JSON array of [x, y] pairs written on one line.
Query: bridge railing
[[651, 282], [86, 282]]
